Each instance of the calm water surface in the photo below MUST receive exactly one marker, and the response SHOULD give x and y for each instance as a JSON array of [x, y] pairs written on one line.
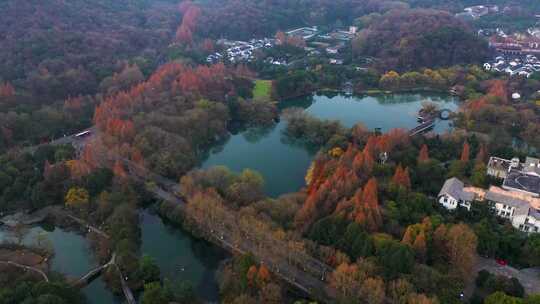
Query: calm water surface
[[180, 256], [72, 257], [284, 163]]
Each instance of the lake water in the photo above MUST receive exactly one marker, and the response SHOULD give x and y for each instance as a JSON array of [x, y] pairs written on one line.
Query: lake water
[[180, 256], [72, 257], [284, 163]]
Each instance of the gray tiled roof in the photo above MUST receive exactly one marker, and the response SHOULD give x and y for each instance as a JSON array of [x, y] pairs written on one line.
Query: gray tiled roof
[[454, 188], [505, 199]]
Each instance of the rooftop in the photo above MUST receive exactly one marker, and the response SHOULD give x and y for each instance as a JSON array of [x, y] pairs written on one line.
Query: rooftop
[[497, 163], [533, 201], [521, 181], [509, 200], [455, 188]]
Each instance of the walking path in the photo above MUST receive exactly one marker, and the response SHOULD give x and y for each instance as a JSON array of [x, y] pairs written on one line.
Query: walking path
[[34, 269], [529, 277]]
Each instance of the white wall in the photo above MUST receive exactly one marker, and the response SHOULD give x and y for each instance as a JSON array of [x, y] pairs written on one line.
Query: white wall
[[448, 202]]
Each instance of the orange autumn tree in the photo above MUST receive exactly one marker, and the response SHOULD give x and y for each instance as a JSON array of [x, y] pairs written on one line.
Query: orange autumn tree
[[482, 154], [417, 236], [323, 200], [333, 183], [401, 177], [363, 164], [465, 152], [191, 13], [263, 276], [423, 156], [208, 45], [118, 170], [6, 90], [78, 168], [498, 88], [367, 211], [251, 275]]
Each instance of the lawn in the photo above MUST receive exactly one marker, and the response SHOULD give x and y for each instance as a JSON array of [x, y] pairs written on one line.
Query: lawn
[[262, 88]]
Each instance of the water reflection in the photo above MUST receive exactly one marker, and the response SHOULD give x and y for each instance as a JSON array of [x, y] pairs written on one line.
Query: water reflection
[[283, 161]]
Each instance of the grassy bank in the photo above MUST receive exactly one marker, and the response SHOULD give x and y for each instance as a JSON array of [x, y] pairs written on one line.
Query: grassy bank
[[262, 89]]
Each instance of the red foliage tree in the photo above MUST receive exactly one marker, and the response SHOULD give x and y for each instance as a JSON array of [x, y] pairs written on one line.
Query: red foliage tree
[[263, 276], [423, 156], [498, 89], [208, 45], [401, 177], [123, 130], [73, 107], [251, 275], [118, 170], [185, 31], [371, 146], [363, 164], [317, 176], [6, 90], [137, 157], [481, 156], [184, 35], [281, 38], [465, 152], [367, 208]]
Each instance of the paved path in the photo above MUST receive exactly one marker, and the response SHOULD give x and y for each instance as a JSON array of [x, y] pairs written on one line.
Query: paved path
[[85, 224], [125, 288], [529, 278], [34, 269]]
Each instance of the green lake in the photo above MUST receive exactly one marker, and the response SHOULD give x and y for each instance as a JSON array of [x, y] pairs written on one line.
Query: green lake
[[283, 163], [72, 257]]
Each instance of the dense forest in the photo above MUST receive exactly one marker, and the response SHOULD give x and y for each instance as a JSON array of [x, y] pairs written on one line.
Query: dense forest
[[58, 49], [55, 56], [264, 18], [400, 41]]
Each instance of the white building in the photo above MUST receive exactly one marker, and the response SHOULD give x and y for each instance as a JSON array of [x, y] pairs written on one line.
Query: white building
[[520, 209], [453, 195], [527, 220]]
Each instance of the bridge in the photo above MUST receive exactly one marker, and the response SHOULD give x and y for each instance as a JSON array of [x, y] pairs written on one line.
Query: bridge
[[424, 126], [94, 273]]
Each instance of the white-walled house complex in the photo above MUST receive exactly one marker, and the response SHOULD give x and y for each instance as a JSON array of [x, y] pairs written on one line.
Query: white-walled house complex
[[522, 210], [453, 194]]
